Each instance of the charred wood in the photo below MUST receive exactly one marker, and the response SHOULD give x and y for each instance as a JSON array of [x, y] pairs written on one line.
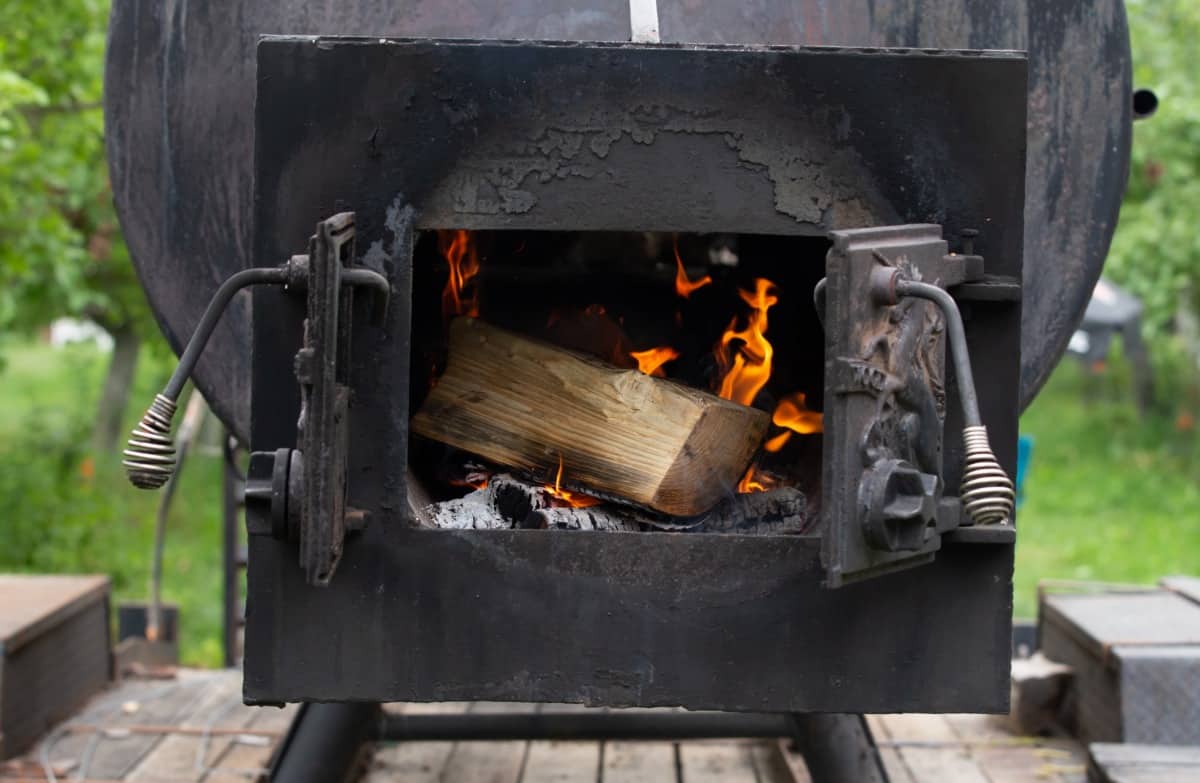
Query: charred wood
[[508, 502], [774, 512]]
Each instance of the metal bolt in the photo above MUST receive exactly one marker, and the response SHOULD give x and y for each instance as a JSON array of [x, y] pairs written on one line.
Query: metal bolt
[[968, 240]]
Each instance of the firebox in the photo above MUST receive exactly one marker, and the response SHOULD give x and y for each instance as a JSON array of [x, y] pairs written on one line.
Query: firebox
[[634, 375]]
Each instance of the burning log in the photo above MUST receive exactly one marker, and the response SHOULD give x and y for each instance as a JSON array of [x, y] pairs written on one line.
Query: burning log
[[535, 407]]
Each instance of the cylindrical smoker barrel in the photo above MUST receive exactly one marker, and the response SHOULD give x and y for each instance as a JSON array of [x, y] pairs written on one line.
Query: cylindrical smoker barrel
[[179, 98]]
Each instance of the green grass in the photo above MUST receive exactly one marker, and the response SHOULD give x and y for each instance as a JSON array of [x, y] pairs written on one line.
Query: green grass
[[1110, 495], [65, 510]]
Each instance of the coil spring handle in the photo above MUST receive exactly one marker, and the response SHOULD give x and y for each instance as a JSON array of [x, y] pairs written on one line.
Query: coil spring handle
[[987, 492], [149, 456]]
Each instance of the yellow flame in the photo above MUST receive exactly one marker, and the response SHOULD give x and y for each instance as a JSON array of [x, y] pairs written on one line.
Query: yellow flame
[[683, 286], [572, 499], [744, 376], [651, 360], [794, 417], [459, 297]]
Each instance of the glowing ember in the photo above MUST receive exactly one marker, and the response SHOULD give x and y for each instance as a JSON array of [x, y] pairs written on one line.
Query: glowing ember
[[572, 499], [651, 361], [683, 286], [459, 297], [476, 480], [792, 415], [756, 480], [747, 372]]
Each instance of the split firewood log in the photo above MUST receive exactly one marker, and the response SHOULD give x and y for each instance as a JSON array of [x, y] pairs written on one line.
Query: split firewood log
[[615, 433]]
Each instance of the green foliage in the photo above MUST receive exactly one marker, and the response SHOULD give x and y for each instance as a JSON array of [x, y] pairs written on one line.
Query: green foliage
[[60, 246], [1110, 495], [65, 511], [1156, 250]]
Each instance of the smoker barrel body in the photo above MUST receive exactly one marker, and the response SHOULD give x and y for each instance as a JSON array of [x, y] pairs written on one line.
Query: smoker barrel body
[[179, 98]]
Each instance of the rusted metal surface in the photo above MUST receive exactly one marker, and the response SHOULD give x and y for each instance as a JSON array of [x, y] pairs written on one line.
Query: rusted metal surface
[[180, 97]]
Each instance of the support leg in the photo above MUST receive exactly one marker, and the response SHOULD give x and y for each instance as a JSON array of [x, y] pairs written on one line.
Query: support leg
[[325, 743], [838, 748]]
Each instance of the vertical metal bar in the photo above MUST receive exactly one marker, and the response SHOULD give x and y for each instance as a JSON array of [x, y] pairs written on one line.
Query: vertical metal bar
[[643, 21], [231, 485]]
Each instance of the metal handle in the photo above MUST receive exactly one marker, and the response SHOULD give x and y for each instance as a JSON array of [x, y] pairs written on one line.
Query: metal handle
[[150, 454], [987, 492]]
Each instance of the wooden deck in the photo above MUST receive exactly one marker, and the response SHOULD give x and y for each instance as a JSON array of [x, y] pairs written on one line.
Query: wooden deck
[[971, 749], [190, 728], [708, 761], [194, 728]]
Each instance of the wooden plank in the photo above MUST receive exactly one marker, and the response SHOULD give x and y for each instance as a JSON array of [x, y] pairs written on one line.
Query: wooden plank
[[244, 759], [950, 761], [414, 762], [245, 754], [489, 762], [562, 762], [536, 407], [717, 763], [893, 764], [797, 770], [639, 762], [176, 756], [30, 604], [914, 727], [163, 704], [934, 765]]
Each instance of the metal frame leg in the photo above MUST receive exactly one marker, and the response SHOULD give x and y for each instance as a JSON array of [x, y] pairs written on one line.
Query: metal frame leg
[[838, 748]]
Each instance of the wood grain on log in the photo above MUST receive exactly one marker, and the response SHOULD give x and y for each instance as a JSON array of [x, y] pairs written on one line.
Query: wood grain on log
[[533, 406]]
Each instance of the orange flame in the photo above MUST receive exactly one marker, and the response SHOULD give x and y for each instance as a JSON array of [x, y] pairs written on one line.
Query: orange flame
[[792, 415], [651, 360], [683, 286], [572, 499], [744, 376], [458, 248], [757, 480], [750, 482]]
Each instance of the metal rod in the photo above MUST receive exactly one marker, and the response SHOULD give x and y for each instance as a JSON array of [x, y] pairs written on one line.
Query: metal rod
[[819, 299], [150, 453], [193, 417], [369, 278], [958, 344], [208, 322], [584, 726], [986, 491], [232, 486]]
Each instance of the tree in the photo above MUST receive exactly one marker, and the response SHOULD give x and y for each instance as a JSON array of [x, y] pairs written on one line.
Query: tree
[[61, 251], [1156, 249]]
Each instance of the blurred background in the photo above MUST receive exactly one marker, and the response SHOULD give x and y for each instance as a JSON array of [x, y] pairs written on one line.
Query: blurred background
[[1111, 480]]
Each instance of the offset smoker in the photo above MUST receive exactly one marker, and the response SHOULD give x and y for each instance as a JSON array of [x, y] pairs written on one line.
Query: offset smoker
[[867, 169]]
